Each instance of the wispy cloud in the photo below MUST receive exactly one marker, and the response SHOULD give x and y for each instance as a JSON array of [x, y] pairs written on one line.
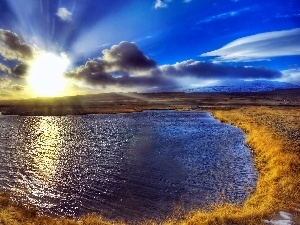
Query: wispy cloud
[[259, 47], [104, 45], [164, 3], [64, 14], [279, 15], [224, 15], [143, 38]]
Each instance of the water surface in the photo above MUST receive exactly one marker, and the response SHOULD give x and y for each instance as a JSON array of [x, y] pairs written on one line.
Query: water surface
[[132, 166]]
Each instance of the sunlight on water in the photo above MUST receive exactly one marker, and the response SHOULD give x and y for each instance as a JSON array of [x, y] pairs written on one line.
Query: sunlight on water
[[126, 165], [46, 154]]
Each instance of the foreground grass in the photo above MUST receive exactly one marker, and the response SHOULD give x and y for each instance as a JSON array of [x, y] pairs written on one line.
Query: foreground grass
[[12, 214], [274, 136]]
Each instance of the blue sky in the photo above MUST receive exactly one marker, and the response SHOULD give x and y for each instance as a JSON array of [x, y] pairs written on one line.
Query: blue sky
[[176, 42]]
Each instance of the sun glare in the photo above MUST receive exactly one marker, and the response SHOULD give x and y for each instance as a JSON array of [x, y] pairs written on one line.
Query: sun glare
[[46, 75]]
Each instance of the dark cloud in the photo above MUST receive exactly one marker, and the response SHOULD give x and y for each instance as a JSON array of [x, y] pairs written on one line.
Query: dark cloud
[[20, 70], [94, 73], [205, 70], [126, 65], [127, 56], [119, 66], [12, 48]]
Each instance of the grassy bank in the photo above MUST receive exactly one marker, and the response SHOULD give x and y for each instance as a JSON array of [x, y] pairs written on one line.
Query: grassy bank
[[274, 136]]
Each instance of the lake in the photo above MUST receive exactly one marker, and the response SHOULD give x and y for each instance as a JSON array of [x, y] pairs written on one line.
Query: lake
[[131, 166]]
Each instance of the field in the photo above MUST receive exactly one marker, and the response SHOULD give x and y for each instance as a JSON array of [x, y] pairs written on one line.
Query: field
[[130, 102], [271, 121]]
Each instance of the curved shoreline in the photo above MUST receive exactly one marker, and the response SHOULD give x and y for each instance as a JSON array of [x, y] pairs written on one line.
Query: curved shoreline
[[277, 159]]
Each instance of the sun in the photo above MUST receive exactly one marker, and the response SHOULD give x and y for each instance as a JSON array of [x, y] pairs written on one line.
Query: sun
[[46, 75]]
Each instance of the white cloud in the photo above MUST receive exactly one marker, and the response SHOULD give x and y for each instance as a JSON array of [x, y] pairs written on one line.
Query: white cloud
[[160, 4], [224, 15], [164, 3], [259, 47], [278, 15], [64, 14], [291, 76]]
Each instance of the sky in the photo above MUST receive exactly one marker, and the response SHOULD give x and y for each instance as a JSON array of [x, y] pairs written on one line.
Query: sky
[[65, 47]]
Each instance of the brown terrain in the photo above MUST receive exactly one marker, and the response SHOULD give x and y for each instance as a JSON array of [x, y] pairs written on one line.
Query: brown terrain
[[130, 102]]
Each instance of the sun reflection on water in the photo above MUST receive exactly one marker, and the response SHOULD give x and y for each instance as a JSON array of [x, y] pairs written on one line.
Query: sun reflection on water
[[39, 144], [46, 153]]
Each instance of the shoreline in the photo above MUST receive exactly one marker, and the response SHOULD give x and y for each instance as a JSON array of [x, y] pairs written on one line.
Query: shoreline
[[276, 157]]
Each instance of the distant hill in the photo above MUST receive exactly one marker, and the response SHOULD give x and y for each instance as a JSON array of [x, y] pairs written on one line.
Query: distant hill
[[244, 86]]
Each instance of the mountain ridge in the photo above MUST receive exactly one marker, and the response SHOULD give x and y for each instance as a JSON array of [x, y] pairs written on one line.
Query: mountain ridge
[[244, 86]]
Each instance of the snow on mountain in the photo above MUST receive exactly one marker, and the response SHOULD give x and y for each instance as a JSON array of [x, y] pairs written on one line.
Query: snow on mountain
[[244, 86]]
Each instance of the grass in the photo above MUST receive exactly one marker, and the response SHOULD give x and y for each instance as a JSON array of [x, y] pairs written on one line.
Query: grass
[[273, 134]]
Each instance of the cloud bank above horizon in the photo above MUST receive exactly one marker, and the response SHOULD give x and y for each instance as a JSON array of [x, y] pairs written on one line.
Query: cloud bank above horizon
[[126, 65]]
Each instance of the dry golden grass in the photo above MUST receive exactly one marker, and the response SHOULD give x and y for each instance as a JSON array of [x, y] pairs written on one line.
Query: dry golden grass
[[12, 214], [274, 136]]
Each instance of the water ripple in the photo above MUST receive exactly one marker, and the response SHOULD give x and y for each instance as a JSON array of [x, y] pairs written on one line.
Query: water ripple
[[133, 166]]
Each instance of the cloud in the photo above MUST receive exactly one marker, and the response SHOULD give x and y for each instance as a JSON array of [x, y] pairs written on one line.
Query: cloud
[[161, 4], [127, 56], [4, 82], [291, 76], [20, 70], [18, 87], [64, 14], [5, 69], [93, 73], [11, 47], [164, 3], [122, 65], [224, 15], [260, 46], [279, 15], [125, 65], [205, 70], [11, 90], [119, 59]]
